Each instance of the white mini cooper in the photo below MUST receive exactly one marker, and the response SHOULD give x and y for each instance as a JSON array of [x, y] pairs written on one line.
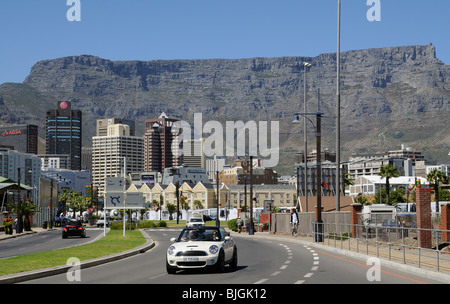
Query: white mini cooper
[[201, 247]]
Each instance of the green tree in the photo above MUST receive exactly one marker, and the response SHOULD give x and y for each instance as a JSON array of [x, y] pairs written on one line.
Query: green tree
[[388, 172], [435, 177], [171, 208], [380, 196], [27, 208], [361, 200], [198, 204], [64, 197], [444, 195], [397, 196]]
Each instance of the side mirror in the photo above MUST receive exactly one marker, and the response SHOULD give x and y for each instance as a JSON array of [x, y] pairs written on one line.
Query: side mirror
[[173, 240], [227, 238]]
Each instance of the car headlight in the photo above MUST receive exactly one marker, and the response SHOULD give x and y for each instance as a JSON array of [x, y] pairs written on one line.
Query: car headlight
[[213, 249], [171, 250]]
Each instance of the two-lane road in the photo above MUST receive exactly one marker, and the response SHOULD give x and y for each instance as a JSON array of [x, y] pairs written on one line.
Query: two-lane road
[[261, 261]]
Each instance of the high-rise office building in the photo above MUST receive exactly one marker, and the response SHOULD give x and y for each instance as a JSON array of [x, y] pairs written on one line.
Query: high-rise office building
[[193, 155], [115, 154], [23, 138], [102, 125], [158, 139], [63, 132]]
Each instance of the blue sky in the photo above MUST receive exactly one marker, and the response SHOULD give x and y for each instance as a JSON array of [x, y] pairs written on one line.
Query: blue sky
[[34, 30]]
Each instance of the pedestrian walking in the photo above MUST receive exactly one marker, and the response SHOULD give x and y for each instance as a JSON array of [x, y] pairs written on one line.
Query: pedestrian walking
[[294, 222], [239, 224]]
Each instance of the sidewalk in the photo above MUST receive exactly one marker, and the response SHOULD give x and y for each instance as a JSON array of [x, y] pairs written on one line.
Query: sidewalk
[[4, 236]]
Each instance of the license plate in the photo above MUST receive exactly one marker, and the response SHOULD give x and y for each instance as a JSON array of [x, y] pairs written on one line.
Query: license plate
[[190, 259]]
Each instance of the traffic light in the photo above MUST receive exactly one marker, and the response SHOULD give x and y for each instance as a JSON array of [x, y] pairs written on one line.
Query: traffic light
[[417, 182]]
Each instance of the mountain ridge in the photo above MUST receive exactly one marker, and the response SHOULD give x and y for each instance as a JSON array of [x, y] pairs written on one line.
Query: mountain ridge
[[389, 96]]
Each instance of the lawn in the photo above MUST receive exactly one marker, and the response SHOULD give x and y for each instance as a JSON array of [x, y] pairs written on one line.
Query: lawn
[[112, 243]]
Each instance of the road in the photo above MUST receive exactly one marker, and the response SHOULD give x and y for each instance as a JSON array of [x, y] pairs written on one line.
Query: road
[[261, 261], [42, 241]]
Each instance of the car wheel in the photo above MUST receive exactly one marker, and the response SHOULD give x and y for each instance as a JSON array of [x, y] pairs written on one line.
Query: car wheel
[[220, 265], [170, 269], [234, 261]]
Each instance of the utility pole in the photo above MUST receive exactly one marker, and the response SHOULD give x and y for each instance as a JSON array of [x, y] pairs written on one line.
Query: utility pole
[[177, 193], [338, 113], [19, 205], [250, 230], [319, 221], [217, 199]]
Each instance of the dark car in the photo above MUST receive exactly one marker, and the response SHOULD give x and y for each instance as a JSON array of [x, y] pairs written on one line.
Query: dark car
[[73, 228]]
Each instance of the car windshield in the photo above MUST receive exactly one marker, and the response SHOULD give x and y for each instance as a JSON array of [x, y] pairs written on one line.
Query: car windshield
[[211, 234], [196, 220], [72, 222]]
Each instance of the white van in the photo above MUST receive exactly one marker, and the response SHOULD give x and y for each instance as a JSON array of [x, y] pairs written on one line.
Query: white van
[[195, 222]]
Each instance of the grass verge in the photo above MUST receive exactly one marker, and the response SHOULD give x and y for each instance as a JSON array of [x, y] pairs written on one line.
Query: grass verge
[[112, 243]]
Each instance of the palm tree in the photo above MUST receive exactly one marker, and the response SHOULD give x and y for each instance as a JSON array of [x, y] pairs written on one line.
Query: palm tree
[[388, 171], [64, 197], [171, 208], [198, 204], [27, 208], [435, 177]]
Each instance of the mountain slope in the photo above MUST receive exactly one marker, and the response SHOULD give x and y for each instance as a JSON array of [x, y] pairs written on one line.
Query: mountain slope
[[389, 96]]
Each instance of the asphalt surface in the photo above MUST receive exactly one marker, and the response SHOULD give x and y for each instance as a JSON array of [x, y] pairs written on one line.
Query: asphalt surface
[[263, 259]]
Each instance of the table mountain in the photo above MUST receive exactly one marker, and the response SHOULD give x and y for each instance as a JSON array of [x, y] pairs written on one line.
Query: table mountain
[[389, 96]]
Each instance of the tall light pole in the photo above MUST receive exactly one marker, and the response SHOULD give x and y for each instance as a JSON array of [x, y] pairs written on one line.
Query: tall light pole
[[250, 230], [338, 113], [305, 135], [306, 65], [217, 199]]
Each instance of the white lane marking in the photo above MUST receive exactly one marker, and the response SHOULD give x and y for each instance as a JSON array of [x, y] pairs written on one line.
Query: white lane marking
[[261, 281]]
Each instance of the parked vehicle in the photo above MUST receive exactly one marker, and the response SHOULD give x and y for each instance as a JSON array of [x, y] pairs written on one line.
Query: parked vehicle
[[391, 223], [101, 222]]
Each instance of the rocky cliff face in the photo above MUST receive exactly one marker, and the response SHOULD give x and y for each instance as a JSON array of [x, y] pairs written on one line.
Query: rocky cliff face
[[389, 96]]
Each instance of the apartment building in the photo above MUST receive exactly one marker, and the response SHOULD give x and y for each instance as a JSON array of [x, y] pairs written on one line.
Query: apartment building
[[115, 154], [158, 139], [63, 132]]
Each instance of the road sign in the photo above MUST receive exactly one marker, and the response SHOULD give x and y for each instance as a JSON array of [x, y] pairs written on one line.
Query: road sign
[[135, 200], [114, 200], [114, 184], [124, 200]]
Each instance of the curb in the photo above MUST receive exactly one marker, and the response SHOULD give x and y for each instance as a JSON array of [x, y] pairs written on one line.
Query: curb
[[40, 273]]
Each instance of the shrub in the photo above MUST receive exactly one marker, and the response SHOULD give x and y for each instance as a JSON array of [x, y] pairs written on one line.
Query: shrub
[[232, 224], [119, 226]]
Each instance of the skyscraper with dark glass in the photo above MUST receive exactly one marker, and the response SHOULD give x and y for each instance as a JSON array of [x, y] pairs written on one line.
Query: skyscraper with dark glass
[[63, 132]]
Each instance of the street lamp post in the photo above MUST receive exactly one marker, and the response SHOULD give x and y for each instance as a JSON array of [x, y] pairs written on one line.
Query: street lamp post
[[217, 198], [250, 230], [319, 223], [305, 135], [338, 113], [306, 65], [19, 225]]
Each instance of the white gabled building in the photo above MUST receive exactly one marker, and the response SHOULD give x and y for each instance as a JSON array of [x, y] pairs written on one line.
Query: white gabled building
[[370, 184]]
